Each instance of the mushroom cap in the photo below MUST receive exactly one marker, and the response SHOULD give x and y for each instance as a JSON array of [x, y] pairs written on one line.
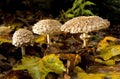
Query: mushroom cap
[[85, 24], [22, 37], [47, 26]]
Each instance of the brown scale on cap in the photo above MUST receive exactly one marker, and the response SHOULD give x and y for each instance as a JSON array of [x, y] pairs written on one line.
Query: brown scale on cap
[[85, 24]]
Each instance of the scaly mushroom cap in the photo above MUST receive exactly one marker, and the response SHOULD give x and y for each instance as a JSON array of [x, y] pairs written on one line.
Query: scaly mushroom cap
[[22, 37], [85, 24], [47, 26]]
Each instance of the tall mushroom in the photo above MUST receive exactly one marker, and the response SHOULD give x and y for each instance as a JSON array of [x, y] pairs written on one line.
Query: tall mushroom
[[47, 26], [22, 38], [85, 24]]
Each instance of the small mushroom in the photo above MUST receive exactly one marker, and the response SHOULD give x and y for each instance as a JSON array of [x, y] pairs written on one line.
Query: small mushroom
[[85, 24], [47, 26], [22, 38]]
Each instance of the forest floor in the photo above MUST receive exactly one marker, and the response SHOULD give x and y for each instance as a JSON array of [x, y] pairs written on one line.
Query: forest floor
[[71, 43]]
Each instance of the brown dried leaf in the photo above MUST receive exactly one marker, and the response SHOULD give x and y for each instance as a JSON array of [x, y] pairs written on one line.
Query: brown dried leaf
[[17, 75], [73, 58]]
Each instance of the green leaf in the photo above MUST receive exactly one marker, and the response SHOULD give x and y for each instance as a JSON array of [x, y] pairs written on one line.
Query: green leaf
[[77, 11], [68, 11], [23, 63], [86, 3], [69, 15], [33, 65], [53, 63], [87, 12], [76, 4], [39, 68]]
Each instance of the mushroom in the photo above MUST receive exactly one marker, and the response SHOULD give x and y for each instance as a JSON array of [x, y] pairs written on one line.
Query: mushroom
[[47, 26], [22, 38], [85, 24]]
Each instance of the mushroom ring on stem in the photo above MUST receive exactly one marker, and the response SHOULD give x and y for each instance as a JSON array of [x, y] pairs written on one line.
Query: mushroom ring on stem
[[22, 38], [85, 38], [84, 25]]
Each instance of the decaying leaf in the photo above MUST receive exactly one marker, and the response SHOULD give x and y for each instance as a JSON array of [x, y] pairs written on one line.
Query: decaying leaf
[[15, 26], [41, 39], [107, 41], [4, 40], [74, 58], [4, 30], [53, 63], [16, 75], [107, 62], [108, 50], [39, 68], [66, 76], [72, 61], [83, 75], [103, 69], [4, 34]]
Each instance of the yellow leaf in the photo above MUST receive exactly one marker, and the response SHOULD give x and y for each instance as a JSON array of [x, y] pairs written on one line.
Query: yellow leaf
[[105, 42], [107, 62], [108, 48], [39, 68], [41, 39], [110, 52], [84, 75]]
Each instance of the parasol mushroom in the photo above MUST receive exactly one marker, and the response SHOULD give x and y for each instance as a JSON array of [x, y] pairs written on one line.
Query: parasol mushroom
[[47, 26], [22, 38], [85, 24]]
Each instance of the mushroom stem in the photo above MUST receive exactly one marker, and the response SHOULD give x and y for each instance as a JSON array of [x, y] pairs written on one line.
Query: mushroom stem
[[68, 65], [85, 43], [48, 39], [23, 50], [85, 38]]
